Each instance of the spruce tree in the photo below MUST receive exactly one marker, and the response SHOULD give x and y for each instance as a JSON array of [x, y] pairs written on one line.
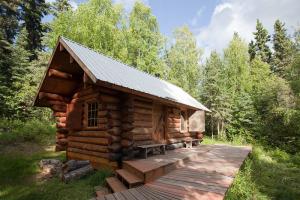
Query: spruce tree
[[260, 46], [282, 45], [32, 13], [9, 16], [60, 6]]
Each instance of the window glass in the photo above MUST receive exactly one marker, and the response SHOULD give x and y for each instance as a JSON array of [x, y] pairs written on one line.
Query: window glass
[[93, 114]]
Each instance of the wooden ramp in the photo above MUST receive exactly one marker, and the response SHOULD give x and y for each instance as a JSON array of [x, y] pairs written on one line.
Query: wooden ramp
[[206, 175]]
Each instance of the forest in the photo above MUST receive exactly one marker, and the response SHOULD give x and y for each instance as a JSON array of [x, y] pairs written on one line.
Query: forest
[[252, 89]]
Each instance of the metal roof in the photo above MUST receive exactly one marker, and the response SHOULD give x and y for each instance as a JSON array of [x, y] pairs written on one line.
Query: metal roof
[[112, 71]]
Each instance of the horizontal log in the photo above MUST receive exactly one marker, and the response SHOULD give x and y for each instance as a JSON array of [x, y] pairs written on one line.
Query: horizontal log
[[60, 136], [178, 135], [140, 143], [126, 143], [108, 91], [114, 114], [79, 156], [61, 119], [102, 134], [174, 116], [109, 98], [142, 130], [90, 140], [173, 130], [59, 147], [45, 95], [62, 141], [102, 113], [92, 147], [140, 117], [143, 124], [173, 120], [114, 147], [85, 92], [114, 123], [114, 138], [174, 125], [112, 107], [59, 114], [59, 74], [127, 127], [55, 102], [102, 120], [141, 104], [141, 137], [109, 156], [62, 130], [115, 131], [60, 125], [59, 108]]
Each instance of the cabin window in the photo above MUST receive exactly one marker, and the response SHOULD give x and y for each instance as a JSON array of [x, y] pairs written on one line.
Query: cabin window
[[92, 114], [183, 121]]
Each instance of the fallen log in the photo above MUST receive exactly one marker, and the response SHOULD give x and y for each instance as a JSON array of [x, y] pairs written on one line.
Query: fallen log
[[71, 165], [93, 159], [78, 173]]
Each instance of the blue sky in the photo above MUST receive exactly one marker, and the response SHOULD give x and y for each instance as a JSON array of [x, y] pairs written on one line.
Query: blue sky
[[214, 21]]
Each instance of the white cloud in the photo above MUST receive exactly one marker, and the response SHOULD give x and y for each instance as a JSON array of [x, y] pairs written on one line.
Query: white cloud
[[128, 4], [240, 16]]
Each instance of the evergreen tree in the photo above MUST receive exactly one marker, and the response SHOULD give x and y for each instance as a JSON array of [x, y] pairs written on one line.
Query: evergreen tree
[[9, 16], [144, 40], [183, 61], [282, 45], [214, 94], [32, 14], [260, 47], [60, 6]]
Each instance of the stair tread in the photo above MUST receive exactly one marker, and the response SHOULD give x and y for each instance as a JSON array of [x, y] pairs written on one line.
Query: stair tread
[[129, 177], [115, 184]]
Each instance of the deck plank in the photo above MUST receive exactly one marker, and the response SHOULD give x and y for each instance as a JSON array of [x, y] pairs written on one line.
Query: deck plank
[[206, 175]]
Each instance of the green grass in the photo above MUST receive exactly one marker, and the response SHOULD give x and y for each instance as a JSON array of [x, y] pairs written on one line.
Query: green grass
[[266, 174], [33, 130], [17, 180]]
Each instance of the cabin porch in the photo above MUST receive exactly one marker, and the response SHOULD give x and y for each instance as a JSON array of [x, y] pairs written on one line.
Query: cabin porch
[[202, 172]]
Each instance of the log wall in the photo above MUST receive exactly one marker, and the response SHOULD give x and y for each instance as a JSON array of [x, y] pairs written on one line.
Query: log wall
[[102, 144]]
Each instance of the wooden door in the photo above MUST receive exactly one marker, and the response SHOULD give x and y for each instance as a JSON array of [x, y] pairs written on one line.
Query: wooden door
[[158, 134]]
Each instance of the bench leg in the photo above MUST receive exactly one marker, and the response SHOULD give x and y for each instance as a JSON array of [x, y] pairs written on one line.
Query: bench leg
[[163, 150], [146, 152]]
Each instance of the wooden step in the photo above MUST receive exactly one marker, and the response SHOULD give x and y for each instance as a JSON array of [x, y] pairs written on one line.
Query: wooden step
[[129, 177], [115, 184]]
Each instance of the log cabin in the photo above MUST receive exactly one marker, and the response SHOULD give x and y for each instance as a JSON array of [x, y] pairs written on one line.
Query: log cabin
[[104, 108]]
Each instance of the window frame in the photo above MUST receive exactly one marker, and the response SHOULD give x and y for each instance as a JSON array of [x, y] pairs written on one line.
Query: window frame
[[95, 118]]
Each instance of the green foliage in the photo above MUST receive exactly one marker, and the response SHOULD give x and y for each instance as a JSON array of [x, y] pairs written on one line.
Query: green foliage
[[32, 12], [60, 6], [282, 56], [16, 131], [267, 174], [183, 61]]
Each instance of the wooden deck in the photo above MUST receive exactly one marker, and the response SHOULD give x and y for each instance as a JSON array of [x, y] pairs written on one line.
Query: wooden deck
[[207, 174]]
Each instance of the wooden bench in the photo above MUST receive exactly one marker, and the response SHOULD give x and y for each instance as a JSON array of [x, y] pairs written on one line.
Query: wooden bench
[[146, 148], [189, 143]]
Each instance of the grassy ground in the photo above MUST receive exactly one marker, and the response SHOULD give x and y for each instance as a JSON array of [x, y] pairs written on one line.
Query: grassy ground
[[18, 179], [266, 174]]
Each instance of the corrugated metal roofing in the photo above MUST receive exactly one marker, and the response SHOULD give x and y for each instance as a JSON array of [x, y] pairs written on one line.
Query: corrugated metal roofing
[[112, 71]]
